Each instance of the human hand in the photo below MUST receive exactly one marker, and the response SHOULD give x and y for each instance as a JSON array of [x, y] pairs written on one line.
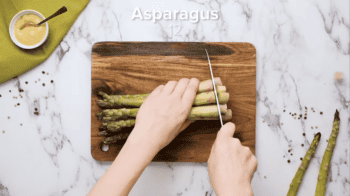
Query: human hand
[[162, 115], [231, 166]]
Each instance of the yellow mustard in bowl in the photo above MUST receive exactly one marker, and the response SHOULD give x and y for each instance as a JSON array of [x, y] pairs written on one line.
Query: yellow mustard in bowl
[[27, 32]]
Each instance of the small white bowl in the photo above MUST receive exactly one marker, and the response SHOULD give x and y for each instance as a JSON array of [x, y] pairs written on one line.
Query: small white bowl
[[12, 26]]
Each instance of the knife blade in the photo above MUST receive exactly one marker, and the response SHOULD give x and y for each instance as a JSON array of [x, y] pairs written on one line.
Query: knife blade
[[216, 94]]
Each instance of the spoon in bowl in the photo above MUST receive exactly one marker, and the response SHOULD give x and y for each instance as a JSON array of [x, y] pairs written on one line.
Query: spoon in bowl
[[60, 11]]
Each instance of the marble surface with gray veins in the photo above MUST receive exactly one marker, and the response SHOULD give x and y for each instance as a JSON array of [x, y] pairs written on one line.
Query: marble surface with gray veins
[[302, 61]]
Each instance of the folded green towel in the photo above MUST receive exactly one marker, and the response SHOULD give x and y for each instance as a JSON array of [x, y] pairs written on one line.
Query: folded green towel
[[14, 60]]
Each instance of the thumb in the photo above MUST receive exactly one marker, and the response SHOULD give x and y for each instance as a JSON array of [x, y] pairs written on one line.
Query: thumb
[[227, 130]]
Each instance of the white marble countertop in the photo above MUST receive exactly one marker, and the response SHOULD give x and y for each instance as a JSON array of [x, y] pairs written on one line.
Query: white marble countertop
[[302, 52]]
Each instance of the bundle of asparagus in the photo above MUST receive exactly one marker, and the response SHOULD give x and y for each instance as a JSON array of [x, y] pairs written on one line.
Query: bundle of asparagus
[[115, 118]]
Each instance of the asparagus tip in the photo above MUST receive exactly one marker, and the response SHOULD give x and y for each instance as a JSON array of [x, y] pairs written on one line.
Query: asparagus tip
[[336, 115], [318, 134]]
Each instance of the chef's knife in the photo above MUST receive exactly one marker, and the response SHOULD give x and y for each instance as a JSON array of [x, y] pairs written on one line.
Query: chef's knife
[[216, 94]]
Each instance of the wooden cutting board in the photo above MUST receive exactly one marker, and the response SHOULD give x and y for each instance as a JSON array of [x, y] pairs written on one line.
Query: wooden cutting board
[[139, 67]]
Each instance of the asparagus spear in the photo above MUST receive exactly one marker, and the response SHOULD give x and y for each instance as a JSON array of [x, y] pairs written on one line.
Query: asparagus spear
[[327, 156], [207, 85], [225, 117], [104, 133], [113, 139], [116, 126], [112, 101], [117, 114], [202, 89], [294, 186], [206, 111]]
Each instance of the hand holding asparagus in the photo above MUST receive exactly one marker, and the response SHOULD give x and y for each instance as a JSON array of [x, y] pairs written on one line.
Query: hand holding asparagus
[[154, 121]]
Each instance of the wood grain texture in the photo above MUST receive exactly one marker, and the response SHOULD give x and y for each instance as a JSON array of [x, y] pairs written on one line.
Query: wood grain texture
[[139, 67]]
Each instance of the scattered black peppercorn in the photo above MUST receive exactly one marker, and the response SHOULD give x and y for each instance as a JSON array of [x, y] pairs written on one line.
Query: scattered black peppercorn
[[291, 154], [326, 140], [51, 81], [295, 113], [300, 115], [284, 110], [303, 134], [306, 108], [43, 72], [321, 112], [305, 117], [10, 91], [288, 150], [43, 84], [302, 145], [288, 161], [36, 113], [36, 109], [26, 82], [17, 103], [0, 95], [289, 113], [301, 158]]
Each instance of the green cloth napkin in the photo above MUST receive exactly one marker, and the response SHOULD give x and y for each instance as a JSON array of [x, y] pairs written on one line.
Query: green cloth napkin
[[14, 60]]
